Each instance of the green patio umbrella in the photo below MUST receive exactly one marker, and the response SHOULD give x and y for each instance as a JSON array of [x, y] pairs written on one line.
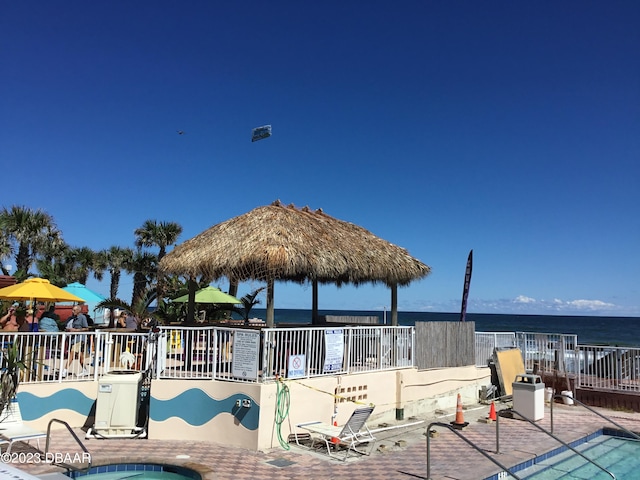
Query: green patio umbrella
[[209, 295]]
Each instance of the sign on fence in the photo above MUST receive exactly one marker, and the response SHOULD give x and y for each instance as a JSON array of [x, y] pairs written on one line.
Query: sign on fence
[[246, 349], [296, 367], [334, 348]]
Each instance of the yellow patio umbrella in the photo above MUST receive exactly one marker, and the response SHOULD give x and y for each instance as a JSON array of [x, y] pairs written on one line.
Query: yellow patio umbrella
[[37, 289]]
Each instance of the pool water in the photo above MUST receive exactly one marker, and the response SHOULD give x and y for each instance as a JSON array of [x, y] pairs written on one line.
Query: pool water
[[620, 456], [147, 474], [137, 471]]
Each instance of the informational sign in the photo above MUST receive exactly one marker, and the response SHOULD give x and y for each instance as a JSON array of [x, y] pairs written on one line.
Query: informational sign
[[246, 349], [297, 366], [334, 350]]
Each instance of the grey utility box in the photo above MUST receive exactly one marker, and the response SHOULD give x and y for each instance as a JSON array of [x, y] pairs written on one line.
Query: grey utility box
[[117, 403], [528, 397]]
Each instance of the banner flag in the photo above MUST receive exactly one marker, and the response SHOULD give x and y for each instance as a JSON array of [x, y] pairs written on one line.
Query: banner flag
[[467, 283]]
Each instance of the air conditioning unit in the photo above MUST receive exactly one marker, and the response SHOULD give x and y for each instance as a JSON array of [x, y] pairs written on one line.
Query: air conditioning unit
[[117, 405]]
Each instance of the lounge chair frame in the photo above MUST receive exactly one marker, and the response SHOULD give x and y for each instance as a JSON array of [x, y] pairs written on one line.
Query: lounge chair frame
[[13, 429], [354, 433]]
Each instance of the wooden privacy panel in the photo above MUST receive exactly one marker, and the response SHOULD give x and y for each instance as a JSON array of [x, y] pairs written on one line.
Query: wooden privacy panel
[[508, 364], [445, 344]]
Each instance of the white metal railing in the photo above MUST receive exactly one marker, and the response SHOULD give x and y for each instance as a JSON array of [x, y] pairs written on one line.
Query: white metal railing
[[609, 368], [208, 353], [331, 350], [60, 357], [593, 366], [548, 352], [197, 353], [214, 352], [540, 351], [488, 342]]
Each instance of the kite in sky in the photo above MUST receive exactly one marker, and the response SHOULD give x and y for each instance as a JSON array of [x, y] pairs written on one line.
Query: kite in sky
[[259, 133]]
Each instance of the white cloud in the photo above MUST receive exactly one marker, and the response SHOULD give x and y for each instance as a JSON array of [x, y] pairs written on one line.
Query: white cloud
[[524, 299], [590, 304], [520, 305], [526, 305]]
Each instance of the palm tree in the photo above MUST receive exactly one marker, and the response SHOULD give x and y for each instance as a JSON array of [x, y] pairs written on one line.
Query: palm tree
[[54, 271], [161, 235], [12, 363], [249, 301], [143, 266], [117, 259], [99, 264], [84, 261], [139, 308], [55, 263], [6, 250], [158, 234], [29, 231]]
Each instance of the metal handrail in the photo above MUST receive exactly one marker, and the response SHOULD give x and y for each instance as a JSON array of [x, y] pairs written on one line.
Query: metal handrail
[[469, 442], [548, 433], [78, 441], [560, 395]]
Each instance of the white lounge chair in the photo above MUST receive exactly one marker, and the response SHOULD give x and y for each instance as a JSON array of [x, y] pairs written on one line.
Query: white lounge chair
[[13, 429], [354, 433]]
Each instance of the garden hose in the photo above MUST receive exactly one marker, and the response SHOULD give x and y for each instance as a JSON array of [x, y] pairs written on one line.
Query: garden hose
[[282, 410]]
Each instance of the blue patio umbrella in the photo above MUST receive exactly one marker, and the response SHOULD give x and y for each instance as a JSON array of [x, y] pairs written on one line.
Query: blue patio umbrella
[[88, 295]]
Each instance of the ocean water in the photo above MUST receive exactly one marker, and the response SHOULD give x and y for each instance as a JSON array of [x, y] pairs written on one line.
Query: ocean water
[[622, 331]]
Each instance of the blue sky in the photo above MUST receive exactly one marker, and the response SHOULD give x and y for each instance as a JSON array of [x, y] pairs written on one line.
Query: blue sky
[[509, 128]]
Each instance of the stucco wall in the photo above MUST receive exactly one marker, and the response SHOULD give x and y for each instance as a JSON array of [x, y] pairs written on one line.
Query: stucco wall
[[71, 402], [192, 409], [413, 392], [246, 415]]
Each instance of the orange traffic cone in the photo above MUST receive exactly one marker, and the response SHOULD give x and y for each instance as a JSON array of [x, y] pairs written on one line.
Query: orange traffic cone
[[459, 422], [492, 412], [335, 440]]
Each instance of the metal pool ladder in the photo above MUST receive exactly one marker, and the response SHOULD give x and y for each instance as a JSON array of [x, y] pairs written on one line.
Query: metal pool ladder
[[560, 395], [496, 462], [468, 442], [78, 441], [548, 433]]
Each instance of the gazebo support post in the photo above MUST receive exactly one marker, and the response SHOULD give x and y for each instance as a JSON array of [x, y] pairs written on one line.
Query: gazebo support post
[[233, 288], [314, 302], [270, 309], [191, 306], [394, 305], [191, 303]]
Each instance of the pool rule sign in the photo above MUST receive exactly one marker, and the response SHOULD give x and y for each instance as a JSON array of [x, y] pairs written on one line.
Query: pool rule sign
[[296, 366], [246, 349]]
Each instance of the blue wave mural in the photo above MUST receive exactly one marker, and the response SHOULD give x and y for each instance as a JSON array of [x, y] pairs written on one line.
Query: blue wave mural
[[33, 407], [197, 408]]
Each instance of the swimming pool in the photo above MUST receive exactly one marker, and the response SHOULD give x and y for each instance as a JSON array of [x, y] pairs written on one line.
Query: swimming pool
[[618, 454], [137, 471]]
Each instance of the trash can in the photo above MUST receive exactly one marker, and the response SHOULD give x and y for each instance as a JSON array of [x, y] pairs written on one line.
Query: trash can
[[117, 403], [528, 397]]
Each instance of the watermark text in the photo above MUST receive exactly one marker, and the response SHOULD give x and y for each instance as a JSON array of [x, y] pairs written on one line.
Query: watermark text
[[49, 457]]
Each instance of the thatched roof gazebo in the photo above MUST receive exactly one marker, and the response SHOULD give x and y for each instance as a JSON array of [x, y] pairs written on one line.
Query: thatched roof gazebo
[[278, 242]]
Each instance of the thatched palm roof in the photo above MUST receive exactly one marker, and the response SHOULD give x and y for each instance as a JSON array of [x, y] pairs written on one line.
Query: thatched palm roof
[[286, 243], [278, 242]]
